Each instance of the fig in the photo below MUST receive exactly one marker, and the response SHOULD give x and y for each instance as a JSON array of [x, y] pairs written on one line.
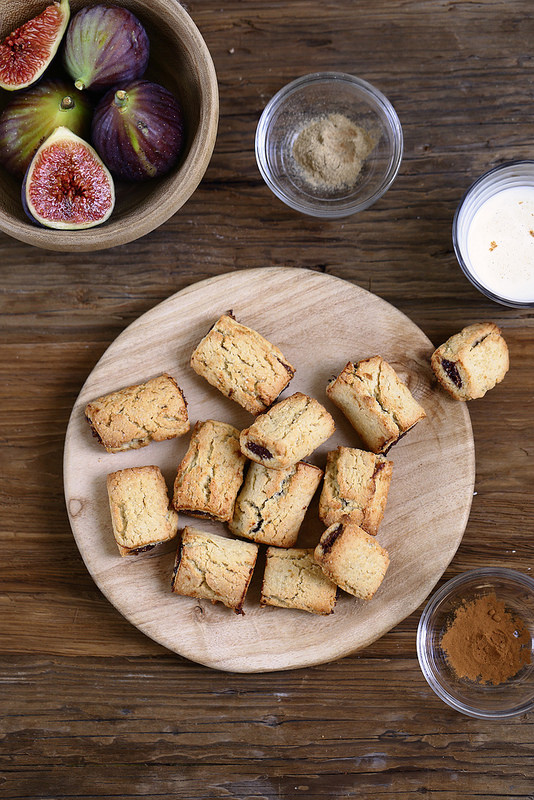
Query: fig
[[138, 130], [32, 115], [66, 185], [104, 45], [27, 51]]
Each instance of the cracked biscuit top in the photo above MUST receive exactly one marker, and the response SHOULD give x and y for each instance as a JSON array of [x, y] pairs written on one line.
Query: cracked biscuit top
[[379, 406], [137, 415], [352, 559], [287, 432], [293, 579], [242, 364], [471, 362], [272, 503], [214, 568], [355, 488], [211, 472], [140, 512]]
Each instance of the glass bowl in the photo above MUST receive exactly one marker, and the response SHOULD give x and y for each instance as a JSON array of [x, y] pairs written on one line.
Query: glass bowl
[[496, 283], [485, 701], [317, 96]]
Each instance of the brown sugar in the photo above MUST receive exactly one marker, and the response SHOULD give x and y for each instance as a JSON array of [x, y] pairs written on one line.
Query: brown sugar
[[330, 151], [485, 642]]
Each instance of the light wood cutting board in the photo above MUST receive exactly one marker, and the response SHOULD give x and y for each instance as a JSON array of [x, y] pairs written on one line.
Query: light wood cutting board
[[319, 322]]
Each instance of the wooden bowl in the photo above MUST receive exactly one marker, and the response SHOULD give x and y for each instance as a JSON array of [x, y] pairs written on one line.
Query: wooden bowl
[[180, 61]]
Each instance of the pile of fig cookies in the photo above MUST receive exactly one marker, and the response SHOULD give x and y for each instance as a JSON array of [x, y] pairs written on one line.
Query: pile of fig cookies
[[266, 503]]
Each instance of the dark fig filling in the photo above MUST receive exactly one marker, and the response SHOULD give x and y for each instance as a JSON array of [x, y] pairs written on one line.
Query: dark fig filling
[[258, 450], [176, 564], [93, 431], [452, 372], [289, 369], [141, 549], [328, 543]]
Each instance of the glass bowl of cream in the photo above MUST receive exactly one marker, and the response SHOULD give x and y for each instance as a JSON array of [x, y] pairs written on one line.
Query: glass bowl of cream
[[329, 144], [493, 234], [475, 643]]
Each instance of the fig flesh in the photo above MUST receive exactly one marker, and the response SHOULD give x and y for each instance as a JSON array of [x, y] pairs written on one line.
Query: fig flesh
[[67, 186], [28, 50], [32, 115], [105, 45], [138, 130]]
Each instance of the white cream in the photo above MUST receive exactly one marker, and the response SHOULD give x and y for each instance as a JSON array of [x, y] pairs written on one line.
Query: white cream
[[500, 244]]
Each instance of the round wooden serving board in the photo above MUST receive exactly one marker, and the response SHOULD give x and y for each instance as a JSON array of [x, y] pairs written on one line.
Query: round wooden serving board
[[319, 322]]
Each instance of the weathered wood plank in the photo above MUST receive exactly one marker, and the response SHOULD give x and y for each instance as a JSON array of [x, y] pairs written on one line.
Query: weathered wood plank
[[111, 714]]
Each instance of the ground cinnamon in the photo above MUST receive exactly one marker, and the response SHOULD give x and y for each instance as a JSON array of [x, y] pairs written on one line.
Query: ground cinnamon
[[485, 642]]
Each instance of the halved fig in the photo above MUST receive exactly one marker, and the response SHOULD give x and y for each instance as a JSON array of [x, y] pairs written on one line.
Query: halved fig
[[104, 45], [67, 186], [27, 51], [32, 115]]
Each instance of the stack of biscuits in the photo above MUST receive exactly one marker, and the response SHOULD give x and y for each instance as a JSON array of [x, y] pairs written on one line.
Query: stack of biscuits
[[257, 481]]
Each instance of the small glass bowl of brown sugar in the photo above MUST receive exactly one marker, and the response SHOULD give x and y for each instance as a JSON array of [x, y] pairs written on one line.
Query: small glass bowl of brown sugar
[[329, 144], [475, 643]]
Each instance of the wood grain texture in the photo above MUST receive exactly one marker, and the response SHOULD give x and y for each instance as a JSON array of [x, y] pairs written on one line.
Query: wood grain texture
[[319, 323], [179, 60], [90, 706]]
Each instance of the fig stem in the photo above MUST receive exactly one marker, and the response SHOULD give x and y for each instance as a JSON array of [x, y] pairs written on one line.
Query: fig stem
[[121, 99], [79, 85], [67, 103]]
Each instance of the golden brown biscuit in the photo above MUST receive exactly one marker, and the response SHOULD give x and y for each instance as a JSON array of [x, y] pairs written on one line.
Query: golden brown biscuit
[[288, 432], [379, 406], [471, 362], [214, 568], [211, 472], [352, 559], [140, 511], [293, 579], [355, 488], [242, 364], [272, 503], [137, 415]]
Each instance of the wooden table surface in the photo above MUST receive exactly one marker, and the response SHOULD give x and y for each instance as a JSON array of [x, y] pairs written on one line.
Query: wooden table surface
[[90, 707]]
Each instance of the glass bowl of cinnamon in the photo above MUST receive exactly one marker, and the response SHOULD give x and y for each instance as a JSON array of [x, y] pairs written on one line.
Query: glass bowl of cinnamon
[[329, 144], [475, 643]]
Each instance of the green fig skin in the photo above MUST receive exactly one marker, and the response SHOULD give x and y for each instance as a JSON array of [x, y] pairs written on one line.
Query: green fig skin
[[32, 115], [67, 187], [28, 50]]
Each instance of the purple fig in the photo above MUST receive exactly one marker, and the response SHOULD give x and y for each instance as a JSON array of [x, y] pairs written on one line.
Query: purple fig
[[32, 115], [104, 45], [66, 185], [138, 130]]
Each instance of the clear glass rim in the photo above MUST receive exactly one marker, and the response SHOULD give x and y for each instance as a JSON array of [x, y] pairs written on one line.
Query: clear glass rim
[[350, 206], [463, 266], [466, 577]]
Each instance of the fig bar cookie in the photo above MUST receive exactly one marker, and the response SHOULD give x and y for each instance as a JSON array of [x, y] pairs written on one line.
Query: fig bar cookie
[[242, 365], [272, 503], [288, 432], [213, 568], [352, 559], [137, 415], [140, 512], [293, 579], [211, 472], [471, 362], [376, 402], [355, 488]]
